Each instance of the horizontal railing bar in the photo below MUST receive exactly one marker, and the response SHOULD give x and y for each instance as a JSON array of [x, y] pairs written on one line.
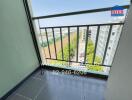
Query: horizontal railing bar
[[104, 24], [78, 12], [78, 62]]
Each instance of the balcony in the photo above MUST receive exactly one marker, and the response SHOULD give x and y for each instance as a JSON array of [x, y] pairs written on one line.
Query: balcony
[[62, 62], [87, 48]]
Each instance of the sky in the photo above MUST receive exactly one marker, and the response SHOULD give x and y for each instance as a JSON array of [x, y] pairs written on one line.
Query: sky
[[48, 7]]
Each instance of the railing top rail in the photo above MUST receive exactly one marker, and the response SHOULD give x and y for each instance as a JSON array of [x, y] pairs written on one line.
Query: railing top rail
[[77, 12], [104, 24]]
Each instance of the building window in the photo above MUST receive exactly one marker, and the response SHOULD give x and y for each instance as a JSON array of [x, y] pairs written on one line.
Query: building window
[[113, 33], [109, 48]]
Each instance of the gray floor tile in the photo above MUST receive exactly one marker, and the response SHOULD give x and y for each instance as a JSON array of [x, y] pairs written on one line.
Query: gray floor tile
[[56, 86], [17, 97], [41, 76], [30, 88]]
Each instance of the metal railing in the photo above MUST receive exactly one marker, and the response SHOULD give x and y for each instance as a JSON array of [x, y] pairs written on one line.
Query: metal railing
[[85, 61]]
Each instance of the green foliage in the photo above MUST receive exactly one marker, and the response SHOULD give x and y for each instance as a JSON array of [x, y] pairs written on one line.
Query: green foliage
[[95, 68], [45, 44], [66, 52], [90, 53]]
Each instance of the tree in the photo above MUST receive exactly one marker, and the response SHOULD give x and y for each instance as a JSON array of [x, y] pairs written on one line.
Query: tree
[[89, 55]]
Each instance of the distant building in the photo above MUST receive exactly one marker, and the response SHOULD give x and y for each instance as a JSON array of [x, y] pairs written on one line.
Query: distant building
[[84, 32], [102, 39]]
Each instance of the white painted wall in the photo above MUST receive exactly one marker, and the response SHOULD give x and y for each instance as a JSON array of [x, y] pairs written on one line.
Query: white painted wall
[[17, 53], [120, 79]]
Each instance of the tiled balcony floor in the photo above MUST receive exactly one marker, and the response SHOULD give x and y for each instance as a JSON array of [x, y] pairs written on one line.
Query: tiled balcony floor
[[57, 86]]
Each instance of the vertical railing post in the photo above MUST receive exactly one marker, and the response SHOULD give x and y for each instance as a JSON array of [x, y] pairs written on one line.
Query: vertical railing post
[[86, 44], [61, 44], [69, 43], [54, 42], [97, 36], [107, 44], [48, 42], [77, 44]]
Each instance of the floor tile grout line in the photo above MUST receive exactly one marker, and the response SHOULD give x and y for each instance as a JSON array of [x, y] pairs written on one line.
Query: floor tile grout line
[[27, 98], [39, 92], [83, 95], [43, 86], [36, 78]]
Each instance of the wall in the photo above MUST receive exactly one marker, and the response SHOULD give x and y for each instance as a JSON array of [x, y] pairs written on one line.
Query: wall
[[120, 80], [17, 54]]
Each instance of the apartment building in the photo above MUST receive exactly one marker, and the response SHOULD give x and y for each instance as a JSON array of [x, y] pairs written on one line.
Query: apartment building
[[102, 39]]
